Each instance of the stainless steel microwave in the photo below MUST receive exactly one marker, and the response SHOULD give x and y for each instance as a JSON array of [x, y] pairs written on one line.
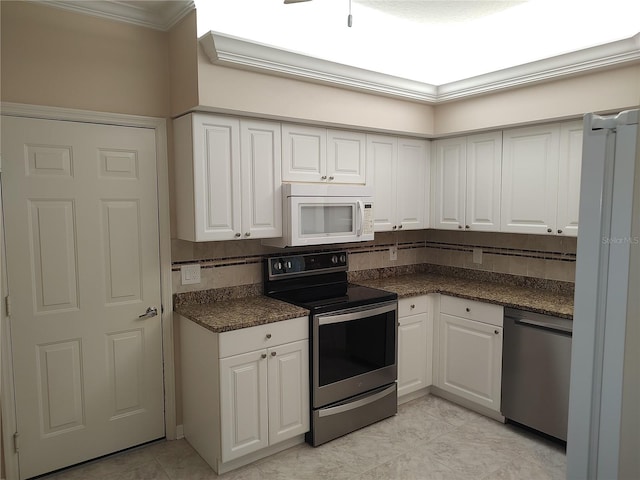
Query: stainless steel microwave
[[324, 214]]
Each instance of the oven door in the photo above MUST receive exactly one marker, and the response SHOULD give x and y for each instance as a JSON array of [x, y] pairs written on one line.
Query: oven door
[[321, 220], [354, 351]]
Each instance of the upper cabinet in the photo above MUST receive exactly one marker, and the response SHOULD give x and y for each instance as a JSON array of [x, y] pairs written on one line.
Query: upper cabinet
[[569, 178], [399, 173], [466, 187], [541, 179], [314, 154], [227, 178]]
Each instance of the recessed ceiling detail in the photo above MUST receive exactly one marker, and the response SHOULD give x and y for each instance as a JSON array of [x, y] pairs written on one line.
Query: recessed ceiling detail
[[240, 53]]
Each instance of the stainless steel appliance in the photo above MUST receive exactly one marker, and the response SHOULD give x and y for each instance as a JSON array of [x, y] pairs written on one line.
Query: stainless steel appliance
[[353, 336], [314, 214], [536, 363]]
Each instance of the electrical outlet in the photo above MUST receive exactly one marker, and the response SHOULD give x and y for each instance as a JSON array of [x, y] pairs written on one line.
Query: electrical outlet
[[393, 253], [190, 273], [477, 255]]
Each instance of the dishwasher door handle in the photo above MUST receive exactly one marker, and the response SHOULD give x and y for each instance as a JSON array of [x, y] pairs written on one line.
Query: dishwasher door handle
[[546, 325]]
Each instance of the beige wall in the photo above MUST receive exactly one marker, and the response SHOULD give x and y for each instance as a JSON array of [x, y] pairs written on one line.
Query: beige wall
[[604, 91], [183, 58], [57, 58], [258, 94]]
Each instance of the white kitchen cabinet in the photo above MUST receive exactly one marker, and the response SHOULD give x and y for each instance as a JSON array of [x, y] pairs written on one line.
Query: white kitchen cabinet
[[245, 392], [469, 351], [315, 154], [541, 179], [569, 178], [415, 342], [227, 178], [399, 172], [264, 398], [243, 404], [466, 190]]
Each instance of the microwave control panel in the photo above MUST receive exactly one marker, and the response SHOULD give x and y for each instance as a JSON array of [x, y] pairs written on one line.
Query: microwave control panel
[[367, 224]]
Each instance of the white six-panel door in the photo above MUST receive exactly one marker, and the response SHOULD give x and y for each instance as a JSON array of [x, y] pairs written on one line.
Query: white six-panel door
[[83, 264]]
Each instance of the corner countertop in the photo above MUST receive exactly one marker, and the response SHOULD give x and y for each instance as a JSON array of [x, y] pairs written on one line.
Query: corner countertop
[[233, 314], [215, 311], [536, 300]]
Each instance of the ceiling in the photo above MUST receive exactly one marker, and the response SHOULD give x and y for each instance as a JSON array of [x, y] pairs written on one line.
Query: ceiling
[[431, 45], [431, 41]]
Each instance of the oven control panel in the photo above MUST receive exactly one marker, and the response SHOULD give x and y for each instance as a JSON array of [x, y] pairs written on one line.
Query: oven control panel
[[306, 264]]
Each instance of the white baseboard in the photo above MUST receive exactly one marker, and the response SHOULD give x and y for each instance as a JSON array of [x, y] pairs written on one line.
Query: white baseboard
[[179, 432]]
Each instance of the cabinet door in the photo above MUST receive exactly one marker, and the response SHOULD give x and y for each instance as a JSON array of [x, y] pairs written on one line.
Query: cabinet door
[[288, 390], [382, 154], [304, 153], [261, 179], [346, 157], [470, 360], [243, 404], [411, 184], [216, 158], [484, 169], [530, 179], [450, 183], [570, 164], [412, 353]]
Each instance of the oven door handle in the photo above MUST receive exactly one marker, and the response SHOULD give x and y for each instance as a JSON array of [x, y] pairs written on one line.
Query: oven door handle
[[365, 312], [345, 407]]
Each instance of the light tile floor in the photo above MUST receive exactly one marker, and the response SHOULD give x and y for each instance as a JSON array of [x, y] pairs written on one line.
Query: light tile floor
[[430, 438]]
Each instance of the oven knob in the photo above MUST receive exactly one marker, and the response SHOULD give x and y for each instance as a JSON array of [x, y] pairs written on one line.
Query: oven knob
[[343, 258], [288, 265], [277, 266], [334, 259]]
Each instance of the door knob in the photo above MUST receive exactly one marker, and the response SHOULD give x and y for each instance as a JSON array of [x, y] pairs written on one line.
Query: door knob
[[151, 312]]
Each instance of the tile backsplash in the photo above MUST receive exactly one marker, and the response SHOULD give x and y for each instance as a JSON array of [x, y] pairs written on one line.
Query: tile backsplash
[[239, 262]]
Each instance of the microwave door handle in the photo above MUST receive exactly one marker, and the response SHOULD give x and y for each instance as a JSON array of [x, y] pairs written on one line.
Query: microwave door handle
[[360, 218]]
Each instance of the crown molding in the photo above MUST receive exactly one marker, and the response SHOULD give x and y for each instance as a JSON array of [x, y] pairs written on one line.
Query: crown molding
[[157, 18], [236, 52]]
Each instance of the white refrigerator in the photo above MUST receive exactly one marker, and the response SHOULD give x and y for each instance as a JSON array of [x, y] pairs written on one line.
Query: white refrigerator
[[604, 401]]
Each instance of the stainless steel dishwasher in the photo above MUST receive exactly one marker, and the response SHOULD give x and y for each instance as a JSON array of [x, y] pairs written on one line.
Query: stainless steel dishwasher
[[536, 363]]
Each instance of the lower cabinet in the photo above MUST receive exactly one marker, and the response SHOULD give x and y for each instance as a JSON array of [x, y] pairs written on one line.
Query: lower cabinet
[[264, 398], [469, 350], [415, 341], [244, 391]]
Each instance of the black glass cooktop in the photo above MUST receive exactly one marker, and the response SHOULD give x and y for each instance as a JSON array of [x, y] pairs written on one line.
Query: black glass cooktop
[[335, 297]]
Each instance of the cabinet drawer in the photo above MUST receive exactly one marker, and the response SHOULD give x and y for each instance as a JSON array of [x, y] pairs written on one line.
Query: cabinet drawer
[[263, 336], [472, 310], [412, 306]]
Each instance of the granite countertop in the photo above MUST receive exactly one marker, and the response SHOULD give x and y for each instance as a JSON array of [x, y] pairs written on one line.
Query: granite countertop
[[233, 314], [537, 300], [223, 310]]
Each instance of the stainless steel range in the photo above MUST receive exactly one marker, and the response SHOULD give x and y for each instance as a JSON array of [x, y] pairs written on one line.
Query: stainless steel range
[[353, 335]]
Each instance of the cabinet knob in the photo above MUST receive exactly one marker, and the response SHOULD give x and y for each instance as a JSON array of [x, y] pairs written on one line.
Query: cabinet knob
[[468, 309], [413, 306], [323, 177], [460, 227], [559, 231], [237, 235], [399, 227], [268, 336], [264, 355], [394, 227], [273, 354], [247, 234], [467, 227], [331, 178], [549, 230], [496, 332]]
